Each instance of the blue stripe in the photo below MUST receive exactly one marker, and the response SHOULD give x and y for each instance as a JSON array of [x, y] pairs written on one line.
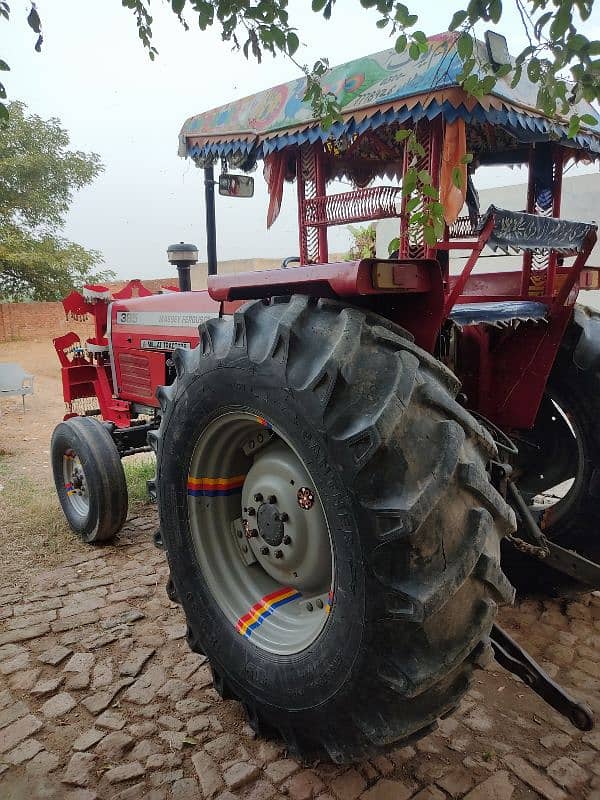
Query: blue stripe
[[214, 492], [268, 613]]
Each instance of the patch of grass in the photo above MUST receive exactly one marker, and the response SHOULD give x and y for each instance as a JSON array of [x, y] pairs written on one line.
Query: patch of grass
[[138, 470], [33, 530]]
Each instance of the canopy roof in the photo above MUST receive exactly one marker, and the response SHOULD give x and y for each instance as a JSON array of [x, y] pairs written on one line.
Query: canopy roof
[[375, 90]]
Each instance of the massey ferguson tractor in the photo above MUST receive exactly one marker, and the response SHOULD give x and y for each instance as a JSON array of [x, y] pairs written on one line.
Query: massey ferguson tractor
[[351, 456]]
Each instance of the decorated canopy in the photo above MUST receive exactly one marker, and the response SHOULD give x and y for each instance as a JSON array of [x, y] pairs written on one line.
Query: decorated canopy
[[379, 89]]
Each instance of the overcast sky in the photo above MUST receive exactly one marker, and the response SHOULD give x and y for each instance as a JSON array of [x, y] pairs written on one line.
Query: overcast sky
[[94, 75]]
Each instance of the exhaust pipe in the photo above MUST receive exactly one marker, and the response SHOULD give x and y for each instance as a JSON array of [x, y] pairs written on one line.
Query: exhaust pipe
[[183, 256]]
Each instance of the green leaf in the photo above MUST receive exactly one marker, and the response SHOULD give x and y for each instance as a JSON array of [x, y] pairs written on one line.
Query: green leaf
[[457, 177], [539, 25], [412, 204], [3, 113], [574, 124], [464, 45], [178, 5], [430, 191], [393, 245], [292, 43], [382, 23], [589, 119], [318, 5], [495, 11], [457, 20], [503, 70], [467, 158], [4, 66], [487, 84], [420, 37], [516, 77], [561, 21], [401, 43], [2, 92], [534, 70], [429, 235], [413, 51], [402, 135]]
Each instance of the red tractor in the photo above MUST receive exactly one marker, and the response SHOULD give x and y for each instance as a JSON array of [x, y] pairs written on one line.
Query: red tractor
[[350, 454]]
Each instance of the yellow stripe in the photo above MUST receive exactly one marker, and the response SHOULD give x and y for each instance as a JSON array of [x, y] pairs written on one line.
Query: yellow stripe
[[209, 482], [263, 607]]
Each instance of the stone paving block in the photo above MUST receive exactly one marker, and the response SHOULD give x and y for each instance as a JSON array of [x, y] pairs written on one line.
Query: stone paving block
[[75, 621], [17, 731], [110, 720], [303, 785], [88, 739], [24, 634], [124, 772], [567, 773], [240, 774], [24, 751], [208, 774], [80, 662], [114, 745], [43, 763], [24, 609], [456, 782], [58, 706], [14, 664], [533, 778], [135, 661], [278, 771], [54, 655], [496, 787], [387, 790], [349, 785], [146, 686], [185, 789], [16, 623], [79, 770], [13, 712], [47, 686], [24, 681]]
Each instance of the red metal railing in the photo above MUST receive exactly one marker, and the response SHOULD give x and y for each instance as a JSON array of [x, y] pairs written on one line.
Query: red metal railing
[[363, 204]]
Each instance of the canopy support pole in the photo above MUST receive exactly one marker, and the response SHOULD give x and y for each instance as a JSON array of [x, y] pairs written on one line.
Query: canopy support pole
[[211, 224]]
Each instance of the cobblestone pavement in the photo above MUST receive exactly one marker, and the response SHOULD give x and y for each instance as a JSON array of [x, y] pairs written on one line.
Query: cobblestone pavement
[[100, 698]]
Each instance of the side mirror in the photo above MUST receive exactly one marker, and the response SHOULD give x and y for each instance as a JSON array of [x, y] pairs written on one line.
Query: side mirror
[[236, 185]]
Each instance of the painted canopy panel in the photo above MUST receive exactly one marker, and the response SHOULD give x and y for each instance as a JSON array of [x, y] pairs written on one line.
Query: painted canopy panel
[[375, 82]]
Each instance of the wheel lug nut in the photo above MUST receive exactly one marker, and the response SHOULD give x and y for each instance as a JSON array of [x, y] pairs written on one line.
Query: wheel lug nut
[[253, 533], [287, 539], [309, 606], [278, 553], [264, 551], [258, 497], [272, 499], [284, 517], [251, 511]]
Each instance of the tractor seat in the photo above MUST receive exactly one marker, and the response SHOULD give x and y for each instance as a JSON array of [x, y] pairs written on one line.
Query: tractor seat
[[500, 313]]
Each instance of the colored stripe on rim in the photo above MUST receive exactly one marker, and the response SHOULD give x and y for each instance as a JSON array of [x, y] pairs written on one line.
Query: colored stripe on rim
[[264, 608], [215, 487]]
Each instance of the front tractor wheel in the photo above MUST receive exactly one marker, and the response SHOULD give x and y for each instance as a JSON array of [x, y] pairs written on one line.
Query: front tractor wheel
[[330, 526], [89, 479]]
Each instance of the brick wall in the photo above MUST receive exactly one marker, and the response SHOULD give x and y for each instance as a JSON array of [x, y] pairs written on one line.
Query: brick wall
[[37, 321]]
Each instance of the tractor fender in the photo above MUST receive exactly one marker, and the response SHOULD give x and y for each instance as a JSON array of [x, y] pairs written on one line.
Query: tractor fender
[[586, 353]]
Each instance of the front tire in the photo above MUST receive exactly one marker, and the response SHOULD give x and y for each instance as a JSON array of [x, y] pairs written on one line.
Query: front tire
[[89, 478], [396, 470]]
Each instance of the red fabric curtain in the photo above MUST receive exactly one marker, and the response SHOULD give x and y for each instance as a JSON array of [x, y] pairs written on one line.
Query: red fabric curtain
[[274, 173]]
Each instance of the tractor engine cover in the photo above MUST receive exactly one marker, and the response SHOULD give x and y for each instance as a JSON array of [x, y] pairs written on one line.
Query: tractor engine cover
[[144, 331]]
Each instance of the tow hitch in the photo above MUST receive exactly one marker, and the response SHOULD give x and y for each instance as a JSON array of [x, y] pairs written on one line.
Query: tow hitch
[[514, 659], [552, 554]]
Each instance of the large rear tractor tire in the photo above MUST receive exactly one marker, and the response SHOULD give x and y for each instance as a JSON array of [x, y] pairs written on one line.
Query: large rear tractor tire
[[89, 479], [559, 470], [330, 525]]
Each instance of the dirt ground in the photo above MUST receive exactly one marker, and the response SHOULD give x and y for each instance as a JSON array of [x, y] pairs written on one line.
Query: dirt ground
[[100, 697]]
